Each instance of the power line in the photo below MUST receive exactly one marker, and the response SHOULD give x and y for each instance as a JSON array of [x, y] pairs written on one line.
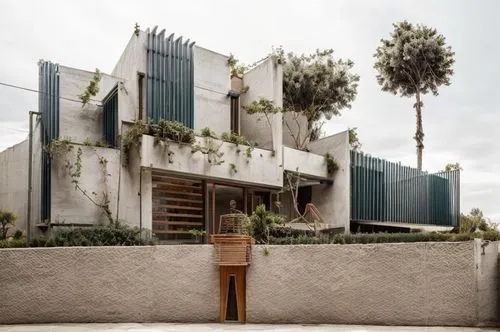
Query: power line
[[52, 95], [16, 129]]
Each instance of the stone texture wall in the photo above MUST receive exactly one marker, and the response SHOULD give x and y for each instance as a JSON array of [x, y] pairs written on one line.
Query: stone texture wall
[[381, 284], [109, 284], [388, 284]]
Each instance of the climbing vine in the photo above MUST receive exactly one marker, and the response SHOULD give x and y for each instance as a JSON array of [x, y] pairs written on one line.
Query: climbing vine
[[58, 148], [92, 89]]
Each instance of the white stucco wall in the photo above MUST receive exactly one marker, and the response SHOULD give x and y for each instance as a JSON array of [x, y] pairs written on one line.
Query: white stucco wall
[[333, 201], [422, 284], [211, 85], [77, 122], [71, 206], [264, 81]]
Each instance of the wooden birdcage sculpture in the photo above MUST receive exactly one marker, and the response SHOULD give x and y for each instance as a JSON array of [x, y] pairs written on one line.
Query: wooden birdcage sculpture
[[232, 246]]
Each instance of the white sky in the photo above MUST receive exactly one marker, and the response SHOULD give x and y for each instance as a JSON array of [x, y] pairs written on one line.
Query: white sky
[[459, 124]]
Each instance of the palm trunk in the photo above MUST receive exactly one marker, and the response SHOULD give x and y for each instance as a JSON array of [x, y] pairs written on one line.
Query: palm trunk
[[419, 134]]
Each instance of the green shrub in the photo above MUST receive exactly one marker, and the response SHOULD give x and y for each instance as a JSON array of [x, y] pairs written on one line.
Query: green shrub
[[282, 237], [12, 243], [171, 130], [260, 223], [234, 138], [110, 235], [282, 231], [18, 234]]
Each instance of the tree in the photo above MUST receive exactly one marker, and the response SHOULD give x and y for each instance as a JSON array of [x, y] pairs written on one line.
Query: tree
[[414, 62], [315, 86], [453, 167], [475, 219], [7, 220], [354, 139]]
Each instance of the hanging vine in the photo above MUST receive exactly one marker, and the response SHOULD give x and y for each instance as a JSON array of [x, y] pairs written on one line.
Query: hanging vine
[[92, 89]]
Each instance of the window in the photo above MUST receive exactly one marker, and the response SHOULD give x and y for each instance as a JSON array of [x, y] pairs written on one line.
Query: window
[[235, 114], [110, 117], [140, 84]]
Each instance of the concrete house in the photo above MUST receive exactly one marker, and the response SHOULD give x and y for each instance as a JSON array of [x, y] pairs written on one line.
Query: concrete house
[[173, 189]]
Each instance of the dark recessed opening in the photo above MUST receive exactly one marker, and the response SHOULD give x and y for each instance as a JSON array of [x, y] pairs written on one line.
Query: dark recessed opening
[[232, 304]]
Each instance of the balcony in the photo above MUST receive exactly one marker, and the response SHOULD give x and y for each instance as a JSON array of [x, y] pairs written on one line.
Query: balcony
[[309, 164], [259, 167]]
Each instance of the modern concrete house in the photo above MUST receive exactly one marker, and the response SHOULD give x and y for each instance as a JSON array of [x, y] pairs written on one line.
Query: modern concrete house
[[172, 191]]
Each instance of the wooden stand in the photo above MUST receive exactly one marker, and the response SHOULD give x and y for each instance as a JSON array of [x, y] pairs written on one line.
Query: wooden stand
[[233, 293]]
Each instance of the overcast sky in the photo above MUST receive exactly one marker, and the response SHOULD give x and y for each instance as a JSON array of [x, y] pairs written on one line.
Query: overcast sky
[[461, 124]]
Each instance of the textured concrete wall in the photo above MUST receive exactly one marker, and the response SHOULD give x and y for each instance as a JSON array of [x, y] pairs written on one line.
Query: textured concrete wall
[[211, 84], [387, 284], [262, 168], [487, 269], [79, 122], [14, 181], [333, 201], [70, 205], [14, 163], [109, 284], [264, 81], [132, 61]]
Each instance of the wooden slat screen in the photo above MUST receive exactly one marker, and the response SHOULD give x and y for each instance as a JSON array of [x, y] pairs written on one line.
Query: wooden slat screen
[[178, 207]]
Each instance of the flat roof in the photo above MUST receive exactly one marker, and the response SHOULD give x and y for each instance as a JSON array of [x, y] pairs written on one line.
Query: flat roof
[[426, 228]]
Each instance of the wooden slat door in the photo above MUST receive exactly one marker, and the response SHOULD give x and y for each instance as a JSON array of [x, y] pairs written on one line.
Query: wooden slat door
[[178, 207]]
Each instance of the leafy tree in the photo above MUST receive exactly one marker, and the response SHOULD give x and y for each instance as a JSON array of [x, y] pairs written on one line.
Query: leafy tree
[[453, 167], [475, 219], [413, 62], [354, 139], [7, 220], [315, 86]]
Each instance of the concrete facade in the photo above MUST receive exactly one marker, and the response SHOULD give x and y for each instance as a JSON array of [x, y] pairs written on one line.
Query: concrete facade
[[129, 186], [70, 205], [262, 168], [14, 181], [76, 122], [264, 81], [426, 284], [333, 201]]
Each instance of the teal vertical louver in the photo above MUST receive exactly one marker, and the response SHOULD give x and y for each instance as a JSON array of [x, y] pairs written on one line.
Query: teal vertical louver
[[110, 118], [170, 78], [386, 191], [48, 105]]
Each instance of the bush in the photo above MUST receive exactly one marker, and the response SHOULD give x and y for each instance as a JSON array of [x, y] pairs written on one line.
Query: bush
[[234, 138], [109, 235], [366, 238], [171, 130], [12, 243], [280, 232], [260, 223], [18, 234]]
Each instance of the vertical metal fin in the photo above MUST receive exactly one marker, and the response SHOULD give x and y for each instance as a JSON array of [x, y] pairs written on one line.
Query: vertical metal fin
[[170, 84], [386, 191]]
